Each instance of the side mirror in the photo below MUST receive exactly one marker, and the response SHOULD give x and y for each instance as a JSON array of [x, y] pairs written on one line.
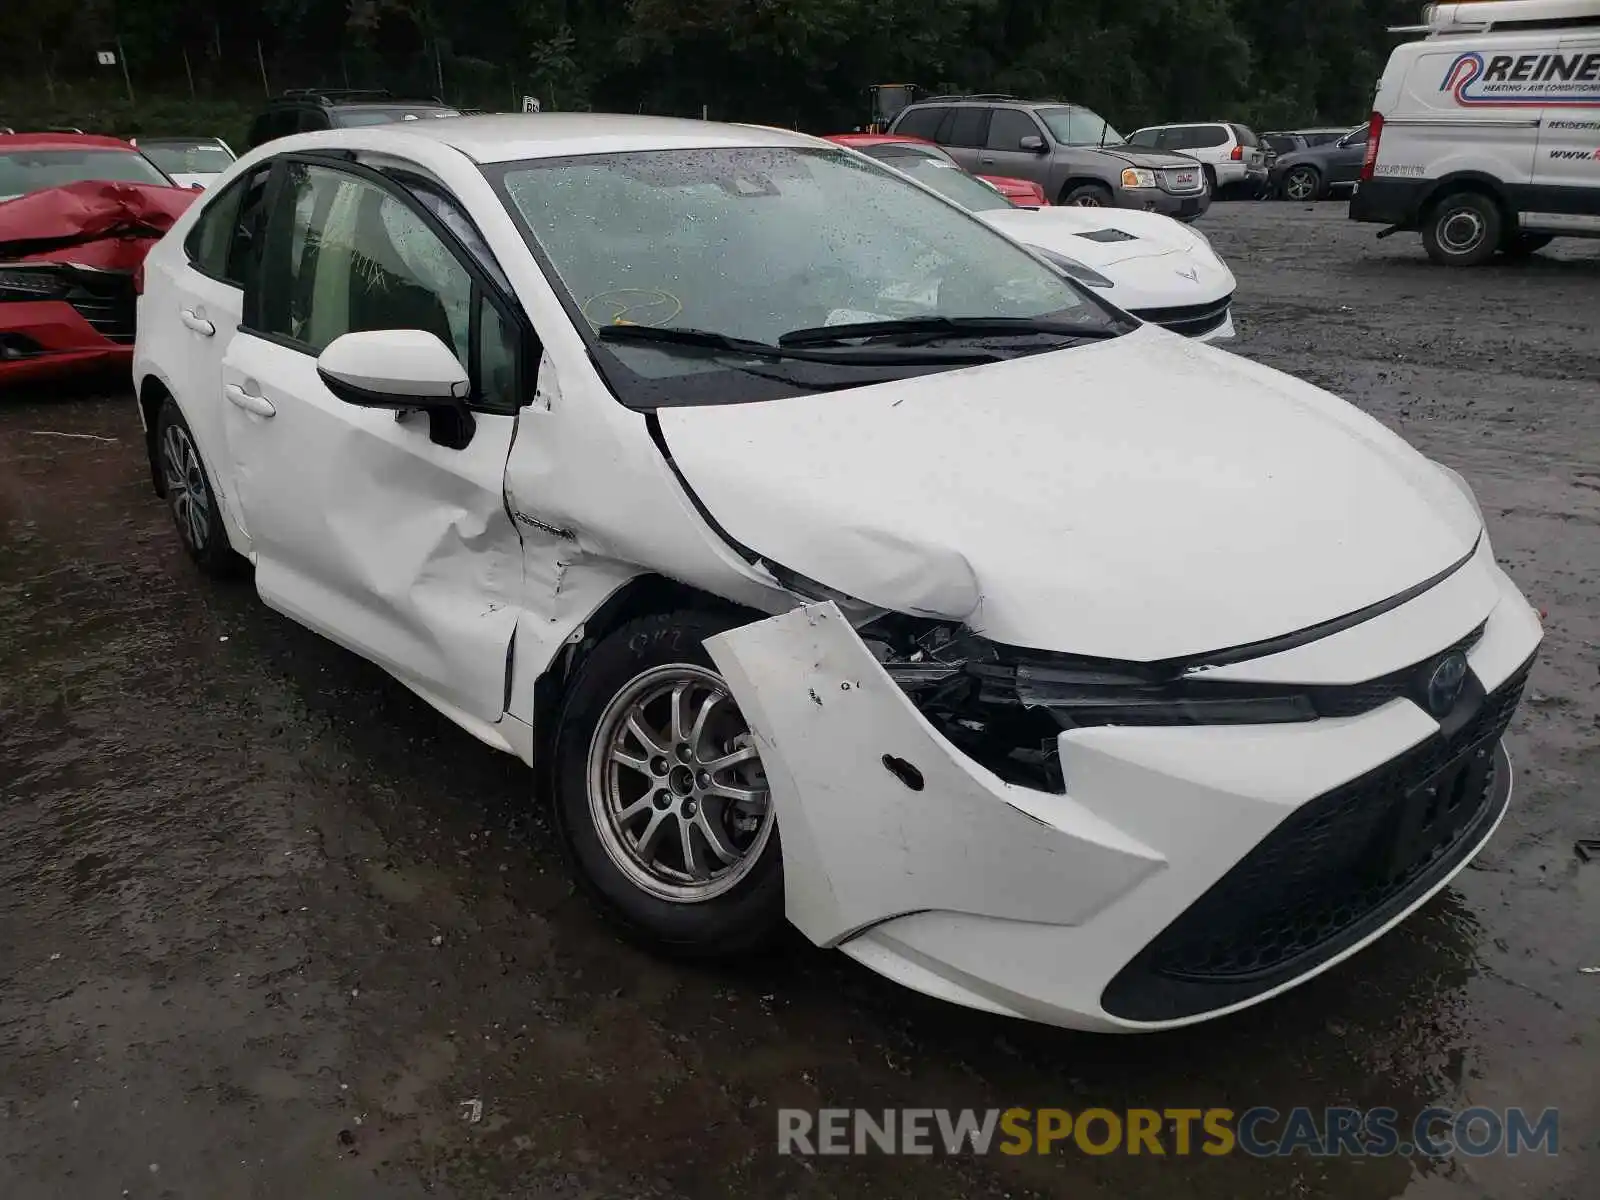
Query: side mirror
[[1032, 142], [407, 370]]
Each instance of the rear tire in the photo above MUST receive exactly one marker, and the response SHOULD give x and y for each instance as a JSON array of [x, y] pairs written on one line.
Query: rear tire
[[1520, 245], [1463, 229], [1088, 195], [646, 815], [190, 496]]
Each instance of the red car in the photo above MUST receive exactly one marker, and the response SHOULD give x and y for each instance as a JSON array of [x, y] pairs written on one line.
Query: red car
[[77, 214], [1019, 191]]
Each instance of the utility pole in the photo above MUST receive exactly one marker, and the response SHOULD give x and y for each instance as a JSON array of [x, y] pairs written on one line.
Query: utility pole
[[189, 71], [262, 63], [126, 79]]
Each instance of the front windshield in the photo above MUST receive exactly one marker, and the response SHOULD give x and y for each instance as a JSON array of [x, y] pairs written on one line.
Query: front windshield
[[188, 158], [1073, 125], [24, 171], [944, 177], [756, 242]]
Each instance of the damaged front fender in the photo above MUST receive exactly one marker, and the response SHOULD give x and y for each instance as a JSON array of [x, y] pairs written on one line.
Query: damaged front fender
[[880, 816]]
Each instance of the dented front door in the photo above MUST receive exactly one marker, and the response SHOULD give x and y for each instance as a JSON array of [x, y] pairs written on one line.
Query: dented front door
[[368, 531]]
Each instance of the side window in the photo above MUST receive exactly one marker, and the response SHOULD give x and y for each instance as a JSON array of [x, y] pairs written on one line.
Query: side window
[[920, 122], [1148, 138], [1209, 136], [1007, 128], [968, 127], [207, 243], [1358, 138], [347, 255], [222, 242], [310, 120]]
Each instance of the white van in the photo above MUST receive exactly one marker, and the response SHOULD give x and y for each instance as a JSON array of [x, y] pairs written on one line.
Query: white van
[[1485, 135]]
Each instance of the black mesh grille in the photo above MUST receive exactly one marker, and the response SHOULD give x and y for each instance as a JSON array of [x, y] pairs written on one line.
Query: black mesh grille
[[1191, 320], [106, 300], [1336, 868]]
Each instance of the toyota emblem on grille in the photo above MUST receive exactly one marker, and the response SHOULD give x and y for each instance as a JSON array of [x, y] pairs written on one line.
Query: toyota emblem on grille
[[1192, 274], [1444, 685]]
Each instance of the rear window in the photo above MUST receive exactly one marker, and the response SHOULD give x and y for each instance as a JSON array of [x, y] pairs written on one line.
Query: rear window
[[24, 171], [1244, 135], [188, 158], [349, 118], [1280, 143]]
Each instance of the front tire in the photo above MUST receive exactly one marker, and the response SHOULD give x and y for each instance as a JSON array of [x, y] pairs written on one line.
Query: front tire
[[190, 496], [1463, 230], [660, 796], [1302, 185], [1088, 195]]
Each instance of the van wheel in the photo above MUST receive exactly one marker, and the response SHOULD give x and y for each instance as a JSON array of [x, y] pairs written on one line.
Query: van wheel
[[190, 495], [1523, 244], [660, 796], [1462, 230], [1088, 195]]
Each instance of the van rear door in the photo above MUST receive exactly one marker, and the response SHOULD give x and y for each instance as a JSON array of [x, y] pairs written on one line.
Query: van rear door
[[1566, 170]]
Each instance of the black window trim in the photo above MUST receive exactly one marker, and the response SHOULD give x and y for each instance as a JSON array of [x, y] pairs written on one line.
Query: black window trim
[[529, 349]]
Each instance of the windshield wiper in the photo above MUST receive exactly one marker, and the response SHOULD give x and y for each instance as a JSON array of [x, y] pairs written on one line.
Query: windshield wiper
[[934, 326], [707, 339]]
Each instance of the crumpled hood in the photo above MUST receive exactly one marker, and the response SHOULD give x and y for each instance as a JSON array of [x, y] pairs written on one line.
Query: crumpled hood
[[97, 223], [1142, 498]]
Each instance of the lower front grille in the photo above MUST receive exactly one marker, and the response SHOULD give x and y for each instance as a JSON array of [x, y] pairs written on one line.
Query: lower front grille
[[106, 300], [1333, 871], [1191, 320]]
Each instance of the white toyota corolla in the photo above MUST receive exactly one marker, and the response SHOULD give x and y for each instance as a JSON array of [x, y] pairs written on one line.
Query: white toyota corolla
[[833, 558], [1158, 269]]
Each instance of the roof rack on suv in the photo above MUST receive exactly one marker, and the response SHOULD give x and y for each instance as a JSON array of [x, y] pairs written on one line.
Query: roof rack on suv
[[968, 96], [337, 93]]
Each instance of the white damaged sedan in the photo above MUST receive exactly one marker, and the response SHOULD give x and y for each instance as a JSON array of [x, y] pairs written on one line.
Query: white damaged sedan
[[832, 559], [1158, 269]]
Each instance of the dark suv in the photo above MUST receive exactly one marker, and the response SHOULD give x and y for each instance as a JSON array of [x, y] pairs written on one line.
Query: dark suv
[[306, 110], [1066, 149]]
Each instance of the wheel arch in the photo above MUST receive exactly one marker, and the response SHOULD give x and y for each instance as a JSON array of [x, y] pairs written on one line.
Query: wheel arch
[[1480, 182], [1077, 181], [152, 391], [644, 595]]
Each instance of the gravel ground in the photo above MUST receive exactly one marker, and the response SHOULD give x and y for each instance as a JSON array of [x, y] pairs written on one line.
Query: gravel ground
[[266, 920]]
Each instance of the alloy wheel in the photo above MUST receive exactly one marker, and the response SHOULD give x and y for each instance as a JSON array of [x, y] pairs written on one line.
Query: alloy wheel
[[676, 789], [186, 486], [1300, 185]]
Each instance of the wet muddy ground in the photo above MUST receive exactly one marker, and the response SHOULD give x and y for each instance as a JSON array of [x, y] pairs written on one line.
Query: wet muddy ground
[[267, 921]]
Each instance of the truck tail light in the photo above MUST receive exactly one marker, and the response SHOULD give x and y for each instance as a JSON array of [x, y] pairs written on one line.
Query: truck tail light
[[1374, 135], [1237, 154]]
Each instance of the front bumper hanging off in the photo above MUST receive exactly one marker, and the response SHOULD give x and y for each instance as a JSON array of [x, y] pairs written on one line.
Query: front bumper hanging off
[[1186, 871]]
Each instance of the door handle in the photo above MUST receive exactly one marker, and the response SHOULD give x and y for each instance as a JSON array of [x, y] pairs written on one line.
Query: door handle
[[197, 323], [248, 401], [986, 160]]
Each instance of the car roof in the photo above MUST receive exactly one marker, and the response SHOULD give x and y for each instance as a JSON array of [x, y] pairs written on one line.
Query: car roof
[[63, 141], [507, 137]]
